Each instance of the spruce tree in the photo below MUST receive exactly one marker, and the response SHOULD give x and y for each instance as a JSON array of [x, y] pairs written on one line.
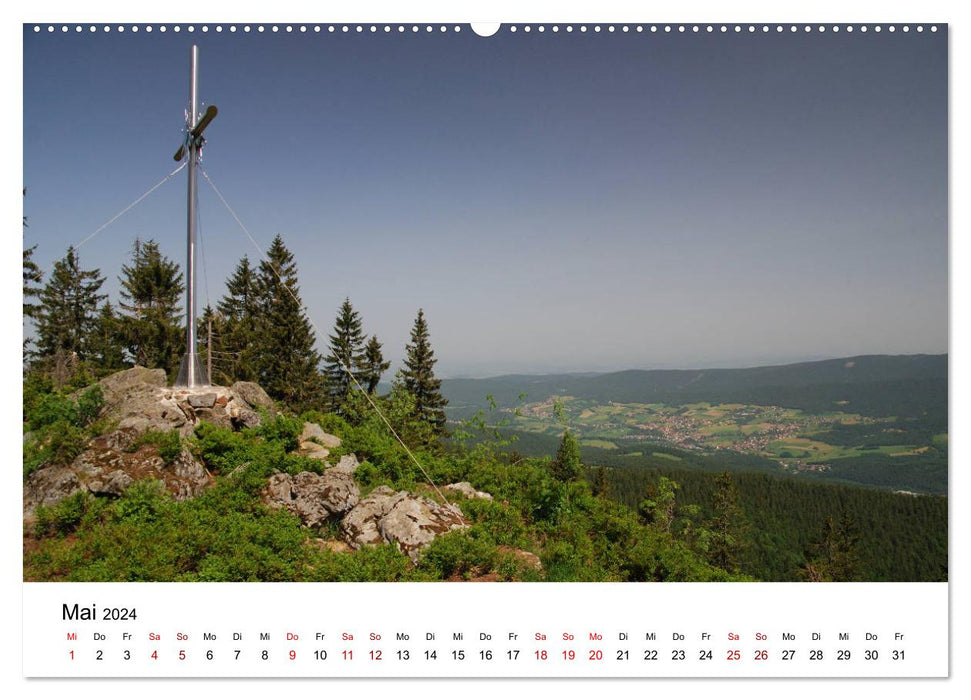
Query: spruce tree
[[286, 363], [419, 378], [32, 279], [658, 507], [729, 526], [235, 324], [68, 309], [32, 289], [834, 556], [601, 486], [346, 352], [566, 466], [374, 365], [151, 302], [105, 349]]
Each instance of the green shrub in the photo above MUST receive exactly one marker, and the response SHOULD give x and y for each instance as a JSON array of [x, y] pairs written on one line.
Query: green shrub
[[463, 553], [64, 516], [168, 443], [371, 563], [143, 502], [52, 409], [283, 429]]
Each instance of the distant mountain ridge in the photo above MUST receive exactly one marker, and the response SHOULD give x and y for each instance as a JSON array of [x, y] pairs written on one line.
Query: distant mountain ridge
[[907, 386]]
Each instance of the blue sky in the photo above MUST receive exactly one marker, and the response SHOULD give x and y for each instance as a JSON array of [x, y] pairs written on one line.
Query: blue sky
[[553, 202]]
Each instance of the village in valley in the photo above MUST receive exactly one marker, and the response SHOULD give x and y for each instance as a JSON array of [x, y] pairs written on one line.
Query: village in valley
[[781, 434]]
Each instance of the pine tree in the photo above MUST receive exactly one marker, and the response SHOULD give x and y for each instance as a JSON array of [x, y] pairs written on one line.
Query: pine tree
[[151, 299], [419, 378], [346, 353], [374, 365], [729, 526], [286, 363], [68, 307], [235, 325], [566, 466]]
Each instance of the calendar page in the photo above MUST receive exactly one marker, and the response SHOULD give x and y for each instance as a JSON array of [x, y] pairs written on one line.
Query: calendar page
[[513, 350]]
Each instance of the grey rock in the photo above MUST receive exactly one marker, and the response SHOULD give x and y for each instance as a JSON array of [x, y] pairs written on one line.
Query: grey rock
[[207, 400], [360, 525], [313, 432], [217, 415], [414, 522], [186, 477], [314, 498], [140, 401], [466, 490], [145, 411], [104, 471], [244, 418], [118, 386], [48, 486], [405, 519], [347, 463], [120, 439], [253, 395], [314, 451], [111, 484]]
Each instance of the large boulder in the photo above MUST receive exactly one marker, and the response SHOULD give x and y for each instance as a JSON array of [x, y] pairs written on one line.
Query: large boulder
[[314, 442], [117, 387], [314, 498], [253, 395], [103, 470], [405, 519], [139, 401], [314, 433]]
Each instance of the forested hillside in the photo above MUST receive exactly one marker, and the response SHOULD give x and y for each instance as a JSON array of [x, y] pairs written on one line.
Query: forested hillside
[[906, 386]]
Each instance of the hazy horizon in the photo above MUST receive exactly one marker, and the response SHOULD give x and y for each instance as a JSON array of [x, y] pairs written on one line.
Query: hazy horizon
[[703, 366], [555, 203]]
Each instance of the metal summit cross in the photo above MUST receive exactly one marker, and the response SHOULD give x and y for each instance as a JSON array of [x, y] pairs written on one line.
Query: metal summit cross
[[191, 373]]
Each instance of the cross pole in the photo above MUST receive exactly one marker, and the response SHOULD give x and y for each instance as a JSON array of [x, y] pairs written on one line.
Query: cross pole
[[191, 373]]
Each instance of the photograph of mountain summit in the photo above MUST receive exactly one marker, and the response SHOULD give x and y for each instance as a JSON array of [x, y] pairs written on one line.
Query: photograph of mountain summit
[[566, 303]]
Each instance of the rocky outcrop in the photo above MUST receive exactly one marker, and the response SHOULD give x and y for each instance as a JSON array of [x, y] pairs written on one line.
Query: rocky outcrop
[[405, 519], [314, 498], [466, 490], [314, 442], [139, 399], [107, 469], [140, 402]]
